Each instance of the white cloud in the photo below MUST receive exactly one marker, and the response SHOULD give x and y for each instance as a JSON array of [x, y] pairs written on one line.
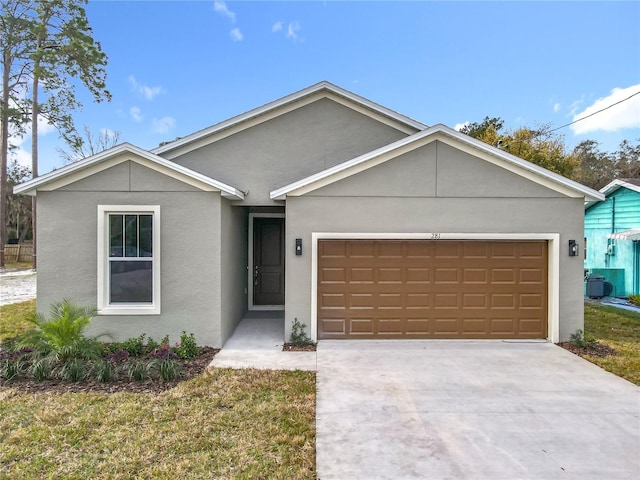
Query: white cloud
[[460, 126], [236, 35], [620, 116], [556, 107], [146, 91], [221, 8], [163, 125], [292, 31], [136, 114]]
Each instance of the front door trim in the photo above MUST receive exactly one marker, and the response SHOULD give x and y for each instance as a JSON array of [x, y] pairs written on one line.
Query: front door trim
[[251, 265], [553, 254]]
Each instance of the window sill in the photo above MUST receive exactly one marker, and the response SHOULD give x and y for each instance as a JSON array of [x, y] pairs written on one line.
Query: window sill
[[130, 310]]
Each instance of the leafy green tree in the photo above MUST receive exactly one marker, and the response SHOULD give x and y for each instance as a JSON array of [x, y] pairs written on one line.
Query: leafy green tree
[[596, 168], [15, 27], [64, 49]]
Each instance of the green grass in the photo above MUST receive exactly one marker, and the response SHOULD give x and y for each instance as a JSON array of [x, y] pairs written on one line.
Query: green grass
[[619, 329], [222, 424], [12, 319], [225, 424]]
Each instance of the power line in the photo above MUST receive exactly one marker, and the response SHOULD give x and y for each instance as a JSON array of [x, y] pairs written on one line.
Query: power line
[[546, 132]]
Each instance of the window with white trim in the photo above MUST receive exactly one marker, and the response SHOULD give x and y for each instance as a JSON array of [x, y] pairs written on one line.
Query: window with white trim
[[128, 259]]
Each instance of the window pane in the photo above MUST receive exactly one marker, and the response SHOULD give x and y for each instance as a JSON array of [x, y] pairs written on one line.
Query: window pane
[[115, 235], [131, 282], [131, 235], [146, 235]]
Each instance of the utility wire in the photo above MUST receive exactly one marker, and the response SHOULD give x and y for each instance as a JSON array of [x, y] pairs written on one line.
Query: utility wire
[[545, 132]]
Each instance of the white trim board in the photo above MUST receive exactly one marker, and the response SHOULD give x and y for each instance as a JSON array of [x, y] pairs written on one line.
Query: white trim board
[[251, 266], [553, 267]]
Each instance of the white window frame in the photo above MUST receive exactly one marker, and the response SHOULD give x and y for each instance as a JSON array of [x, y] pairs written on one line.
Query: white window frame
[[104, 307]]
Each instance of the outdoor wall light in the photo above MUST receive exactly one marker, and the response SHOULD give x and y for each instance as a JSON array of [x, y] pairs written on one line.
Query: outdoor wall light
[[573, 248], [298, 246]]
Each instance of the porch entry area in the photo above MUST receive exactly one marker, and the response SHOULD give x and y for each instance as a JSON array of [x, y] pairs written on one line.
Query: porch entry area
[[266, 258]]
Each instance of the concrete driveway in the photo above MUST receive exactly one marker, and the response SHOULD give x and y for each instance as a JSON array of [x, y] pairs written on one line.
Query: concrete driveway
[[471, 410]]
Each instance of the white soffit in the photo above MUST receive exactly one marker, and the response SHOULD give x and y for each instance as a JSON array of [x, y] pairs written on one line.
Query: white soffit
[[452, 137], [284, 105], [116, 155]]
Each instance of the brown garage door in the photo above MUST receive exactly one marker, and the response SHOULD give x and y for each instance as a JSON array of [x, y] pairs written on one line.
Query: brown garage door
[[432, 289]]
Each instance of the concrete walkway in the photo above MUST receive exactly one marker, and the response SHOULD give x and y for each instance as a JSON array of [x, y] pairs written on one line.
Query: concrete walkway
[[455, 409], [257, 343]]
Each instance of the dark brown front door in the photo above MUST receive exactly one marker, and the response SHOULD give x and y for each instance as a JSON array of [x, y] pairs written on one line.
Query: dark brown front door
[[268, 261]]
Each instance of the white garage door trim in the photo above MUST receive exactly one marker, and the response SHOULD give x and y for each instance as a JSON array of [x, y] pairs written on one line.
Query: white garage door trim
[[553, 239]]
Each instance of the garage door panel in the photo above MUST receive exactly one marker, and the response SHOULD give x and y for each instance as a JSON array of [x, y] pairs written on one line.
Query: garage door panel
[[432, 289]]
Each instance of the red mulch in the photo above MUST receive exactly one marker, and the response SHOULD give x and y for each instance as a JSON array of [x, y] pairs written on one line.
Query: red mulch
[[595, 349], [190, 369]]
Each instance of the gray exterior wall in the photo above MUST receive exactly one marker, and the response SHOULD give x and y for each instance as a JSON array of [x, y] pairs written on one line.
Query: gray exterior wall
[[234, 234], [190, 252], [459, 194], [290, 147]]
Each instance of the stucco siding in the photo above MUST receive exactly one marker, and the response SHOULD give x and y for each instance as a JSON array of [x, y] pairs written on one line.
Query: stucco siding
[[190, 261], [234, 226], [436, 169], [128, 176], [290, 147], [309, 214]]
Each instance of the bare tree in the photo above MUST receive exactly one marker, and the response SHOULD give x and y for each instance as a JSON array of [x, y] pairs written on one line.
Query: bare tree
[[89, 144]]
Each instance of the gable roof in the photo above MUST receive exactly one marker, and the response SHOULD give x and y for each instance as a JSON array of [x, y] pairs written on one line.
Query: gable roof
[[448, 135], [116, 155], [284, 105], [632, 184]]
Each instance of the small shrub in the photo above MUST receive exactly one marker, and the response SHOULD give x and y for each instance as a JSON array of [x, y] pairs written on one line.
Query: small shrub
[[580, 341], [104, 371], [140, 370], [635, 299], [61, 336], [135, 347], [40, 370], [11, 368], [187, 348], [164, 352], [74, 370], [168, 369], [151, 345], [299, 334], [118, 356]]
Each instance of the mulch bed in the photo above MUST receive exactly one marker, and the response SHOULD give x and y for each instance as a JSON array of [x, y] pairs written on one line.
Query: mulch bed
[[190, 369], [595, 349], [291, 347]]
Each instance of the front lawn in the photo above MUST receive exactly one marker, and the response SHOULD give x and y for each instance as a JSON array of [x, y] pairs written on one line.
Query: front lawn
[[620, 330], [12, 319], [223, 423]]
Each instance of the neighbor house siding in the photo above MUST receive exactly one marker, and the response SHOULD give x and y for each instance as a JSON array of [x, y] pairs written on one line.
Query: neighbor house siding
[[190, 254], [619, 212]]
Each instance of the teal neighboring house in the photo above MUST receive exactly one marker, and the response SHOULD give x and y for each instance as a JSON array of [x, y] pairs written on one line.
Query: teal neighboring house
[[612, 236]]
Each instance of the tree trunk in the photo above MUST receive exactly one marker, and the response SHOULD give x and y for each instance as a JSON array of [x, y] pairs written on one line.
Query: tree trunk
[[4, 143], [35, 110]]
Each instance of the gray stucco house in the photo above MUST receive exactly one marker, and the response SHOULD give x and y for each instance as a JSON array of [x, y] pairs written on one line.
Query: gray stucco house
[[354, 219]]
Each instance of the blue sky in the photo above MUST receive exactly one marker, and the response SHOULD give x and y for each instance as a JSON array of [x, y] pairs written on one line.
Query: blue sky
[[176, 67]]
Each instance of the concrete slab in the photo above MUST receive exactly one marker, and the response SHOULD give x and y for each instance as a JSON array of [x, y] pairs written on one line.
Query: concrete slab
[[469, 410], [257, 343]]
